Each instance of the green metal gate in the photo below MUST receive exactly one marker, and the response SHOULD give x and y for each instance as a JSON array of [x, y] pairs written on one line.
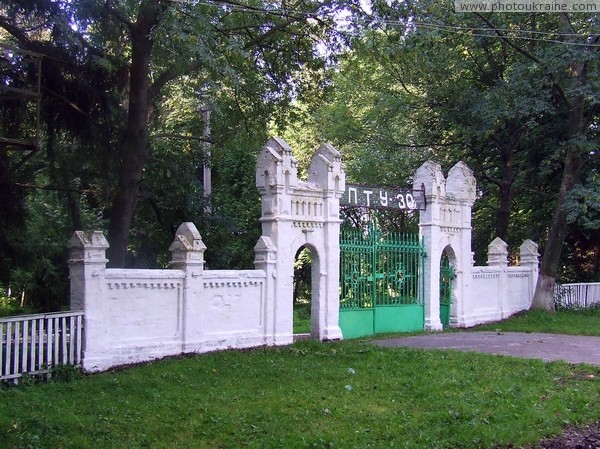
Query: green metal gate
[[381, 282], [446, 277]]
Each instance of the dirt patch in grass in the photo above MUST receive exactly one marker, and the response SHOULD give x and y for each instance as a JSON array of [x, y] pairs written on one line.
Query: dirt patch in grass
[[587, 437]]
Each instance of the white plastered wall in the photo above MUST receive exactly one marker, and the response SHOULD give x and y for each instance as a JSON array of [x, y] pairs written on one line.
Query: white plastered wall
[[136, 315]]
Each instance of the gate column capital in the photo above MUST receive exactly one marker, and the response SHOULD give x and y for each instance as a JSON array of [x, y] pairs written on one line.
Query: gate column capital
[[276, 168], [497, 253], [326, 170], [430, 176]]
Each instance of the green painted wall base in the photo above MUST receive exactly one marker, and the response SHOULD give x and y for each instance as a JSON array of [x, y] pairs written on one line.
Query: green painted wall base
[[382, 319], [356, 323], [405, 318]]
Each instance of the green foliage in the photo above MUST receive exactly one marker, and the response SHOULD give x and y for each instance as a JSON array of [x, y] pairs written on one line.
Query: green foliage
[[405, 83], [364, 118], [9, 305], [232, 228], [302, 276], [66, 373], [583, 204], [420, 82], [310, 394], [39, 282], [246, 62]]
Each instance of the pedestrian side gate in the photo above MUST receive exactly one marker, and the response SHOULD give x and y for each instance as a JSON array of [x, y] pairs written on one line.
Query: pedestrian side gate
[[446, 277], [381, 282]]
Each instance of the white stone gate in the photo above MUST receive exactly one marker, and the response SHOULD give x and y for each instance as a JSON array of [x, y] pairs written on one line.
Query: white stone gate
[[136, 315], [303, 213], [445, 225], [479, 294]]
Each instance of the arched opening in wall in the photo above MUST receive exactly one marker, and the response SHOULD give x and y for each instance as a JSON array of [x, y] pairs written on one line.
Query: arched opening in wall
[[303, 264], [446, 283]]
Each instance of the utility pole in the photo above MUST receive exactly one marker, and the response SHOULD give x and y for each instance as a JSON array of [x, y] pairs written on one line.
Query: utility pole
[[207, 175]]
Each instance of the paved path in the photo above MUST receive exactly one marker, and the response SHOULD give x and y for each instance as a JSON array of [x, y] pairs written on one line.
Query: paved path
[[548, 347]]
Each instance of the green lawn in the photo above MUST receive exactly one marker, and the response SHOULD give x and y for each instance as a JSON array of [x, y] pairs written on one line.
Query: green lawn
[[302, 318], [309, 395], [572, 322]]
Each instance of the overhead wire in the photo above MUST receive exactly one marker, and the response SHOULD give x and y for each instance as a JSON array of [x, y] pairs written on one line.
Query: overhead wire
[[493, 34], [507, 33]]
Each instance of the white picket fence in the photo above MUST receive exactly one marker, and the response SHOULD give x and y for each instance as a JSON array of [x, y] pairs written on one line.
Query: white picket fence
[[36, 344], [581, 295]]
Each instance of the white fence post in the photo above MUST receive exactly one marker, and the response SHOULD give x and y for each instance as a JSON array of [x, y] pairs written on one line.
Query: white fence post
[[529, 257], [187, 254], [87, 269], [498, 257], [265, 258]]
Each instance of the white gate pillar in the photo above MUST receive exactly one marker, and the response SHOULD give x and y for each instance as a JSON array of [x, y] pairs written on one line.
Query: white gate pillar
[[303, 213], [327, 172], [430, 177], [446, 222], [87, 271]]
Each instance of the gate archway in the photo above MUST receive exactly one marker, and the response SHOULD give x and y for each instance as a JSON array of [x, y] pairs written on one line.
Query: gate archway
[[297, 213], [302, 290]]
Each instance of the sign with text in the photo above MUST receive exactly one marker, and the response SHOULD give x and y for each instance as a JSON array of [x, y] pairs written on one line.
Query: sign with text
[[383, 197]]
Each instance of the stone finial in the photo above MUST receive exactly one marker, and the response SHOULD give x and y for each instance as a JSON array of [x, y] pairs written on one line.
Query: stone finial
[[461, 182], [87, 265], [86, 246], [265, 251], [431, 176], [529, 254], [280, 145], [326, 169], [276, 167], [187, 247], [497, 253]]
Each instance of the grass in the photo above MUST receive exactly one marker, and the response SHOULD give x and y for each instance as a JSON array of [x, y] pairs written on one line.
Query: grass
[[308, 395], [302, 318], [571, 322]]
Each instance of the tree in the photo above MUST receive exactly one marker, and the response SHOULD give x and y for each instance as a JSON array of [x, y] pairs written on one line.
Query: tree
[[580, 110], [514, 95], [141, 47], [567, 81], [405, 93]]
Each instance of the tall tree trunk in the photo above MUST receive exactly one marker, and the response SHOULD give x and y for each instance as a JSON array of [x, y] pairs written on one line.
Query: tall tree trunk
[[506, 147], [503, 214], [135, 151], [505, 139], [544, 291]]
